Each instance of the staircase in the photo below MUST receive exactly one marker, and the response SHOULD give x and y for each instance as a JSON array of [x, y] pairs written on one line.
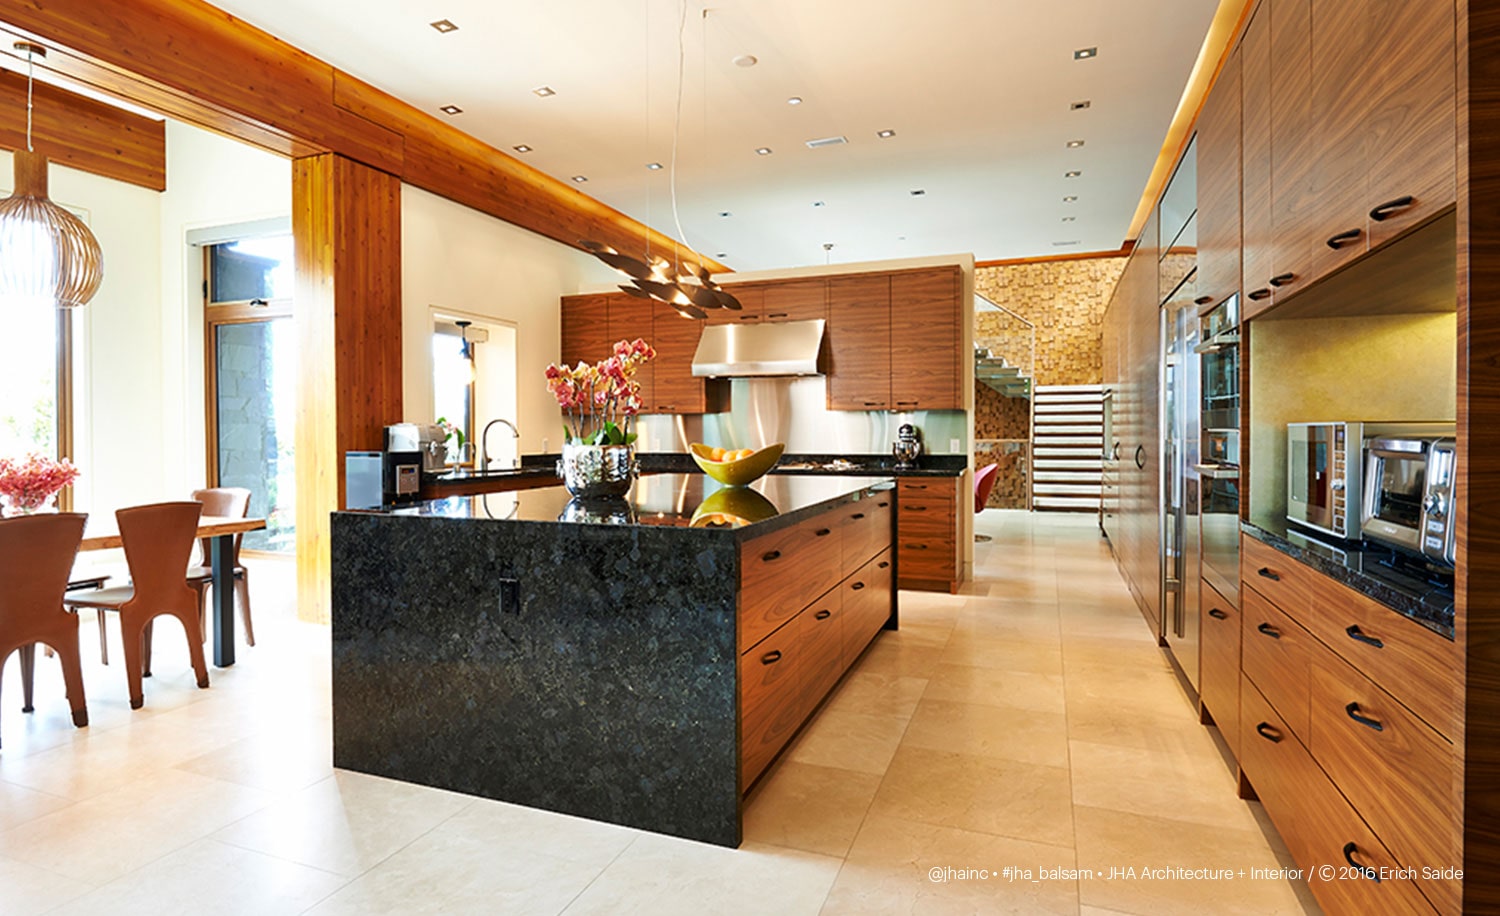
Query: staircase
[[1000, 375], [1067, 435]]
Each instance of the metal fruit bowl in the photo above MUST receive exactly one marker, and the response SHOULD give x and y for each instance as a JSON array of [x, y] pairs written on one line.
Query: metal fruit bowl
[[737, 473]]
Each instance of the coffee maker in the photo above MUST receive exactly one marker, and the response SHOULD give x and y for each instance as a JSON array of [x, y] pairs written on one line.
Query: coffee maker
[[401, 465], [908, 446]]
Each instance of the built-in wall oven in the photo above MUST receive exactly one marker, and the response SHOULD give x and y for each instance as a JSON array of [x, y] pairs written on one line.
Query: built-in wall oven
[[1219, 455]]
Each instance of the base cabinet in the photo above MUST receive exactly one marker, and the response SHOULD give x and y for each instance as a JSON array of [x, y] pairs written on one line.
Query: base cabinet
[[1219, 671], [927, 533]]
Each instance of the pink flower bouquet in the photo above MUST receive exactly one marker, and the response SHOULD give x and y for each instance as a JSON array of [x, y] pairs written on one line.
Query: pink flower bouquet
[[599, 401], [29, 483]]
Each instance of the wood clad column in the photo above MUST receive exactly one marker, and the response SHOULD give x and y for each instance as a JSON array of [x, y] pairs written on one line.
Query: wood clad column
[[346, 222]]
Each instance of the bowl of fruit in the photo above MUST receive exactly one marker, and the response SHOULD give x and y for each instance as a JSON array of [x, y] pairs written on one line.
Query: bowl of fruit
[[733, 507], [735, 467]]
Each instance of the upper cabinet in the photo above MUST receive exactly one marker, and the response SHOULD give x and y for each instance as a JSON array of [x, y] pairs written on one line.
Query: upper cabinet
[[784, 300], [1219, 188], [1348, 134], [592, 324], [859, 342], [926, 334], [585, 329]]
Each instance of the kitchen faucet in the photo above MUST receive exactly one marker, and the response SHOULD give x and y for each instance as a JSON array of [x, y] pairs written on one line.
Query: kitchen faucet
[[484, 439]]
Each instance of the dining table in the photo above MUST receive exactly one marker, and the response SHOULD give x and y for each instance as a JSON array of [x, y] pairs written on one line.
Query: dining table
[[101, 534]]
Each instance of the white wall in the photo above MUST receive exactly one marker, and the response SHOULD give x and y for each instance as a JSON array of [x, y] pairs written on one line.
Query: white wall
[[211, 181], [459, 261]]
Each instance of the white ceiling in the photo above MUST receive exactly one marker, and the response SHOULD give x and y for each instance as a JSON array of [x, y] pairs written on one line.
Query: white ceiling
[[978, 92]]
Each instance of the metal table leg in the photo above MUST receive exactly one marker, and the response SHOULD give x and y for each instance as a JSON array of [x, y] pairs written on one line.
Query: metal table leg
[[221, 562]]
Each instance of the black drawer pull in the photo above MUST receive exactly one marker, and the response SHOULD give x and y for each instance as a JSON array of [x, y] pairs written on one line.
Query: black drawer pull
[[915, 546], [1265, 573], [914, 486], [1355, 634], [1203, 300], [1269, 732], [768, 557], [878, 506], [916, 508], [1218, 614], [1388, 209], [1353, 710], [666, 407], [1262, 293], [872, 403], [908, 402], [857, 586], [777, 315], [1344, 238], [823, 615], [823, 532], [1269, 630], [857, 516], [1281, 280], [771, 658], [1365, 871], [884, 564], [1140, 457]]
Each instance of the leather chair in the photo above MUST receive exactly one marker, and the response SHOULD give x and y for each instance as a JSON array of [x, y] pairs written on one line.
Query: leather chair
[[984, 482], [36, 553], [158, 543], [224, 502]]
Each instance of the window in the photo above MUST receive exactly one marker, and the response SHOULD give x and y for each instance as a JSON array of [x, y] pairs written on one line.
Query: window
[[453, 384], [33, 380], [256, 271]]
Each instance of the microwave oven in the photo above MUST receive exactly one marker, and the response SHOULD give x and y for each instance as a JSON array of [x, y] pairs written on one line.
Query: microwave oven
[[1325, 471], [1408, 496]]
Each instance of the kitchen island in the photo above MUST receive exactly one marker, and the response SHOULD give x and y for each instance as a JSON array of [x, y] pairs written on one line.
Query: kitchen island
[[640, 662]]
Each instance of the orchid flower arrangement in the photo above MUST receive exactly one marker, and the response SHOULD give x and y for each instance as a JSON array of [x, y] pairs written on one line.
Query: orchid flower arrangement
[[599, 401], [28, 483]]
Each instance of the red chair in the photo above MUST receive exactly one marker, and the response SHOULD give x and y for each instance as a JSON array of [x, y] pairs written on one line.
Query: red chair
[[984, 482], [36, 553], [158, 542]]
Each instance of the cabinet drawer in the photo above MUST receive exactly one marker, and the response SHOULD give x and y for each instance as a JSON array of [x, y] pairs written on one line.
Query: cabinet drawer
[[1417, 666], [1291, 586], [922, 522], [784, 571], [866, 529], [1316, 823], [822, 626], [1394, 769], [866, 605], [1275, 656], [771, 701], [927, 558], [1219, 679], [935, 488]]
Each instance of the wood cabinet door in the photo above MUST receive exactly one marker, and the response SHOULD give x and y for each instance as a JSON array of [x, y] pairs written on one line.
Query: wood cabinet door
[[1219, 188], [859, 342], [1255, 139], [673, 387], [795, 300], [1410, 127], [1340, 95], [1219, 679], [585, 329], [630, 318], [1293, 146], [925, 336], [752, 306]]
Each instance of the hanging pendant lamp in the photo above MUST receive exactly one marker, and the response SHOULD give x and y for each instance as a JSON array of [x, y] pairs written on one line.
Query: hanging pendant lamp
[[46, 253]]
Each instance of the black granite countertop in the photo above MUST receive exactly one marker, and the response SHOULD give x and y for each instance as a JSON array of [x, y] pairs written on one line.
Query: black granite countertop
[[1405, 587], [855, 465], [666, 500]]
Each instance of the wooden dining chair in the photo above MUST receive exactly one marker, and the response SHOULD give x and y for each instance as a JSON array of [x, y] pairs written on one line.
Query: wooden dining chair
[[36, 553], [158, 542], [224, 502]]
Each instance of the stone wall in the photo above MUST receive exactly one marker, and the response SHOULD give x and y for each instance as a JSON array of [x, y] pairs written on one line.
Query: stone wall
[[1065, 300]]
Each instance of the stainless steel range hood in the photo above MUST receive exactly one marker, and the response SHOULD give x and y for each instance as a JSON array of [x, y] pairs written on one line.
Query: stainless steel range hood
[[759, 350]]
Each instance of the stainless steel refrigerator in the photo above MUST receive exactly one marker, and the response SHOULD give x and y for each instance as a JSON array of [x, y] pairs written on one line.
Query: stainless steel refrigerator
[[1181, 553]]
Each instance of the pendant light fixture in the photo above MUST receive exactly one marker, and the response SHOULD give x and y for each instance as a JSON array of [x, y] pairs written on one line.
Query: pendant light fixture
[[689, 289], [46, 253]]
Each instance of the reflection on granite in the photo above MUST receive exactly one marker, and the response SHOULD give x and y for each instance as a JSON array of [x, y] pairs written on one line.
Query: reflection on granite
[[1403, 586], [857, 464]]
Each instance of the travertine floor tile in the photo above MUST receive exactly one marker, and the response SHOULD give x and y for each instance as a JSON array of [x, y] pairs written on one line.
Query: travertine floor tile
[[813, 808], [997, 687], [1001, 732], [849, 741], [871, 693], [27, 889]]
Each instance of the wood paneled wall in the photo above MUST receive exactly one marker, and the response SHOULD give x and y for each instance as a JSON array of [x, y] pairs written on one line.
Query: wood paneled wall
[[346, 222], [201, 65], [84, 134], [1066, 302]]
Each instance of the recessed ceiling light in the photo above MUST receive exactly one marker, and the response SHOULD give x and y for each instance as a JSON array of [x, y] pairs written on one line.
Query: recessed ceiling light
[[885, 134], [763, 151], [794, 100], [746, 60], [817, 203], [1069, 219], [444, 26], [1074, 144], [722, 254], [1074, 173], [827, 141], [1080, 105], [918, 192], [521, 148], [580, 178], [544, 91], [451, 109], [654, 166], [1085, 53], [1070, 242], [725, 214], [1070, 198]]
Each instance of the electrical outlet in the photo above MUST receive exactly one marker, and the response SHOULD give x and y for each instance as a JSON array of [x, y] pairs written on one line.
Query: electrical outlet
[[953, 446], [510, 596]]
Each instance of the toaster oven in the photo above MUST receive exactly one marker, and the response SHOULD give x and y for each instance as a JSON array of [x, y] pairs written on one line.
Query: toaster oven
[[1408, 497]]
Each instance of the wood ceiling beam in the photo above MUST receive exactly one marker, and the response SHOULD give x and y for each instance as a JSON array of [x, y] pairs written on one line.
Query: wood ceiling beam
[[198, 64], [84, 134]]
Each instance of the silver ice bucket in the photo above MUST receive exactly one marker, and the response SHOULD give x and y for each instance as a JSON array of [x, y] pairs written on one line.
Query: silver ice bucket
[[592, 471]]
